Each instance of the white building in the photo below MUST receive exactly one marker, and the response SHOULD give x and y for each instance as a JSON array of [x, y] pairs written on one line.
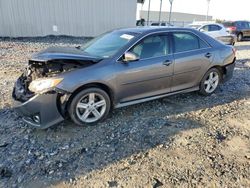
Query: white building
[[27, 18], [177, 18]]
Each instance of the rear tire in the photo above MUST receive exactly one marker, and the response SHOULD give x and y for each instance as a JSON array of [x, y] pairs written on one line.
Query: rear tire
[[239, 37], [89, 106], [210, 82]]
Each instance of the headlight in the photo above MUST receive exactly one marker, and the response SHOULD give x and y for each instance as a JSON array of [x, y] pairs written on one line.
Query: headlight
[[43, 85]]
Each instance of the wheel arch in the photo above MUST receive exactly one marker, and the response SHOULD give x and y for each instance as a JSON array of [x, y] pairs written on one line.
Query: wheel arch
[[240, 33], [201, 85], [102, 86], [222, 69], [218, 67]]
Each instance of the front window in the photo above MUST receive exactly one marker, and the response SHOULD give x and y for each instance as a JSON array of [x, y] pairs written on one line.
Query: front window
[[243, 25], [107, 44], [152, 46], [205, 28]]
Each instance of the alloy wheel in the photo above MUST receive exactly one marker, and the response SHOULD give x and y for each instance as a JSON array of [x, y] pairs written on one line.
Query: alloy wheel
[[211, 82], [91, 107]]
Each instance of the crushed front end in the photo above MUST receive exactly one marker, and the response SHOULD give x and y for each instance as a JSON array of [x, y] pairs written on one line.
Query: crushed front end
[[45, 108], [35, 94]]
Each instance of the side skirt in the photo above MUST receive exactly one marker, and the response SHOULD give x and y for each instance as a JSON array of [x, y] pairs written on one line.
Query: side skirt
[[119, 105]]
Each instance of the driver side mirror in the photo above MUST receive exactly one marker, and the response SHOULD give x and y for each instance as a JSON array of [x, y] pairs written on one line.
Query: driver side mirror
[[129, 56]]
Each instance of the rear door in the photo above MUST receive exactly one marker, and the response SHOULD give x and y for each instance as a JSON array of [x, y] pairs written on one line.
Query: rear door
[[192, 57]]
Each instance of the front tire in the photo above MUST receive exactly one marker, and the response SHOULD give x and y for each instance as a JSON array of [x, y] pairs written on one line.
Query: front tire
[[89, 106], [210, 82]]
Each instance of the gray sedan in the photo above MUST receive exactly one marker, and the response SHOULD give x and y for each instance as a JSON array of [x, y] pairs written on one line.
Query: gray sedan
[[116, 69]]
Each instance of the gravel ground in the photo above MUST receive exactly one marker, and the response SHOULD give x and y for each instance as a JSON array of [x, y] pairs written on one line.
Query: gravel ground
[[179, 141]]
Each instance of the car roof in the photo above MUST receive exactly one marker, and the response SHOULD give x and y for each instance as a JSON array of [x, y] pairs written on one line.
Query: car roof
[[218, 24], [202, 24], [235, 21], [151, 29]]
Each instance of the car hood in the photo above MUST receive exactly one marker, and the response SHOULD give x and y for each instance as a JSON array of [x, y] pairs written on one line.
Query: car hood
[[63, 53]]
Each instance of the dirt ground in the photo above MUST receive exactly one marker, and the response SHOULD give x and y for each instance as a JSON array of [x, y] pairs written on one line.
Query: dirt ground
[[185, 140]]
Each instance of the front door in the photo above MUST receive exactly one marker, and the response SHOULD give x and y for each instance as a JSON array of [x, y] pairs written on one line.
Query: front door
[[151, 75]]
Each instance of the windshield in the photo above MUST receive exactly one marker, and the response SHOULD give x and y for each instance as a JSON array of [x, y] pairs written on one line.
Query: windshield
[[107, 44]]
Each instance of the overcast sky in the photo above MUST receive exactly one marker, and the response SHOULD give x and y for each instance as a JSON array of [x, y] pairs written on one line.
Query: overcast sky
[[221, 9]]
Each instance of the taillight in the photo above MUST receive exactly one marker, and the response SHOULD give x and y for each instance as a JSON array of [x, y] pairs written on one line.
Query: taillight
[[232, 28]]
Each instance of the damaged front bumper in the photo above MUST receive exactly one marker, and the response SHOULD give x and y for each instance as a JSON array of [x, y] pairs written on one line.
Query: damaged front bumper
[[40, 111]]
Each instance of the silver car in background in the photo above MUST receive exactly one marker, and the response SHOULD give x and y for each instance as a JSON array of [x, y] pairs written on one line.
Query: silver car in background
[[215, 30], [116, 69]]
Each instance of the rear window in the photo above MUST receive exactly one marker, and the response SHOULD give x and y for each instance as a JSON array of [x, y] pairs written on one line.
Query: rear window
[[228, 24], [187, 41]]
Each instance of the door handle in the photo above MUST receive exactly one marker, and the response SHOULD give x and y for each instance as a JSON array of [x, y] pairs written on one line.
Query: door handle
[[167, 62], [208, 55]]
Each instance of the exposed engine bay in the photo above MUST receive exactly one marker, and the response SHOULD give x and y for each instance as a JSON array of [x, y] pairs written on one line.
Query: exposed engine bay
[[43, 69]]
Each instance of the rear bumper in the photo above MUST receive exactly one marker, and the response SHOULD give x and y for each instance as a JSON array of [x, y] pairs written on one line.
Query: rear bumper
[[229, 71], [40, 111]]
